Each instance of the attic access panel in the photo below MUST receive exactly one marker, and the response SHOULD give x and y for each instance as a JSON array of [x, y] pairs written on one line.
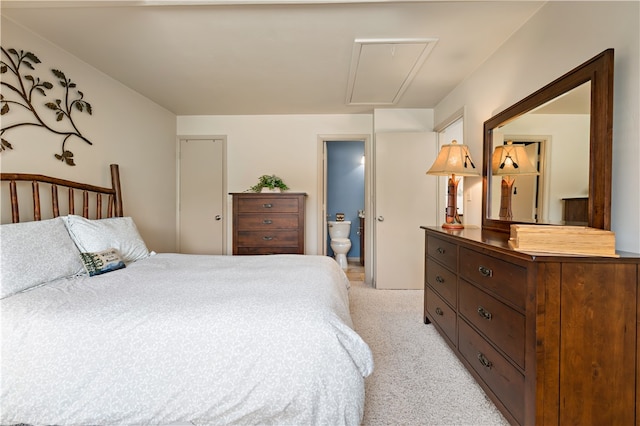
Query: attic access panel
[[382, 69]]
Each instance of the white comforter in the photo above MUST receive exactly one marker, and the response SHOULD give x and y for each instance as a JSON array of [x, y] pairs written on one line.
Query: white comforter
[[186, 338]]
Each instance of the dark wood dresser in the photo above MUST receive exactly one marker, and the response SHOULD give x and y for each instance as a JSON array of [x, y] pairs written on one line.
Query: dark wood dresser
[[268, 223], [553, 340]]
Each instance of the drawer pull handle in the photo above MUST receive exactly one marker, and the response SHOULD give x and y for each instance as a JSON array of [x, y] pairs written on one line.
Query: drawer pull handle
[[267, 238], [267, 205], [439, 279], [439, 312], [484, 313], [267, 221], [484, 361], [485, 272], [440, 250]]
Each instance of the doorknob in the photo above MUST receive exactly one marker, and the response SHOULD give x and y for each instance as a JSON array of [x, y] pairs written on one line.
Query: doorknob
[[218, 217], [380, 219]]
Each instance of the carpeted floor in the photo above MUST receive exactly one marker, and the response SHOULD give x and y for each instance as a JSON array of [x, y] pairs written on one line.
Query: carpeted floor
[[417, 380]]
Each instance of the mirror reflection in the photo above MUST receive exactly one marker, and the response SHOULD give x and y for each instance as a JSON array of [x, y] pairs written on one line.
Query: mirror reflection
[[540, 163]]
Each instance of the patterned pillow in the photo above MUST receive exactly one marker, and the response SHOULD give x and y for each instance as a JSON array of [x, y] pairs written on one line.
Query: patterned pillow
[[119, 233], [102, 262], [33, 253]]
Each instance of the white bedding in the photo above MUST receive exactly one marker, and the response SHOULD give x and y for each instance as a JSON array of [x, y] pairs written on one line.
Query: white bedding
[[186, 338]]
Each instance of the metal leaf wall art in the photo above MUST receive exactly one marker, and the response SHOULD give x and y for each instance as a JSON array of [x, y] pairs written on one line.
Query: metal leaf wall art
[[22, 89]]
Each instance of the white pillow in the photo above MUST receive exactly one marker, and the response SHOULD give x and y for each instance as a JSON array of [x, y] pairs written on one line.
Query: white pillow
[[32, 253], [97, 235]]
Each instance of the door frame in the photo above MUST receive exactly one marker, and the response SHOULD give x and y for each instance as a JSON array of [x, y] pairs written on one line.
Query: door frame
[[441, 191], [225, 201], [322, 229]]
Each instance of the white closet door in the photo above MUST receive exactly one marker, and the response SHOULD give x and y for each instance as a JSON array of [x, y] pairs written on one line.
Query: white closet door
[[405, 199], [201, 196]]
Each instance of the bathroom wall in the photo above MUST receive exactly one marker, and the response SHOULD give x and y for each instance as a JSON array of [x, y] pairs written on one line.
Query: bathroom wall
[[345, 187]]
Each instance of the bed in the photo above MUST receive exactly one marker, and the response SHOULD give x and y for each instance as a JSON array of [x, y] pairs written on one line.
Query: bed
[[121, 335]]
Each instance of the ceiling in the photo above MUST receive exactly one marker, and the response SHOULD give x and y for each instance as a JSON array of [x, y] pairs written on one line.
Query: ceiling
[[279, 57]]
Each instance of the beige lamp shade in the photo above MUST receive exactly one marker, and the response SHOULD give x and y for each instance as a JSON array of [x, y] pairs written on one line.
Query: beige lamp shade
[[453, 159], [511, 160]]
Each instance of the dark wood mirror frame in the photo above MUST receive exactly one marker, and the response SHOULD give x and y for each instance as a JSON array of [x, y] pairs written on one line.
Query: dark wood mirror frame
[[599, 71]]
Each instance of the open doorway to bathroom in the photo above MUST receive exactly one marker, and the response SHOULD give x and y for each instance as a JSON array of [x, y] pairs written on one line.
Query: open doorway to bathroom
[[345, 193]]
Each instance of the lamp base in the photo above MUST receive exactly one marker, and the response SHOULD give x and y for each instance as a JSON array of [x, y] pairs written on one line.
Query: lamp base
[[452, 226], [506, 189], [452, 219]]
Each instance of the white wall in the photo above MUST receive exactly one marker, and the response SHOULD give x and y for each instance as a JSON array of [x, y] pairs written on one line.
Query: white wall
[[285, 145], [558, 38], [125, 128], [403, 120]]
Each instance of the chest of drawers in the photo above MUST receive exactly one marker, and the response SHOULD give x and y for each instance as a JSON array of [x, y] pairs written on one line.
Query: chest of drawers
[[268, 223], [552, 340]]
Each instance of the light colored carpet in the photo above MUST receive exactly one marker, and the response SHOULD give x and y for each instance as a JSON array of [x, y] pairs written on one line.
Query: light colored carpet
[[417, 380]]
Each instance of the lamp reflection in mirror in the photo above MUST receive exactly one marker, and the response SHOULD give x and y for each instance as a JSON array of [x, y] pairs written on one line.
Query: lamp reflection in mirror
[[453, 159], [508, 161]]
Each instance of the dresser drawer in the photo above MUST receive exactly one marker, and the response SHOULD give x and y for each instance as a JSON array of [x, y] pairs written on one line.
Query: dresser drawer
[[498, 276], [443, 251], [268, 239], [267, 250], [265, 221], [443, 281], [503, 378], [503, 325], [280, 204], [440, 313]]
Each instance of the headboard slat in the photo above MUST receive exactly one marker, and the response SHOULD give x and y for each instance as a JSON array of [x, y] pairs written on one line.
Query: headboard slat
[[54, 200], [15, 211], [72, 209], [85, 204], [113, 195], [99, 206], [36, 200], [110, 206]]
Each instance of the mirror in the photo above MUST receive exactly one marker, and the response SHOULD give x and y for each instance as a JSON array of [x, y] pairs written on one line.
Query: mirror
[[561, 137]]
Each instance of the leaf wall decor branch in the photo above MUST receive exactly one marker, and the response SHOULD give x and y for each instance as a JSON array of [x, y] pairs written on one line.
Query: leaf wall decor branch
[[24, 88]]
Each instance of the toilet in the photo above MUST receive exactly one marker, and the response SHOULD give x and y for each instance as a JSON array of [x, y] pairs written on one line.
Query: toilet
[[340, 242]]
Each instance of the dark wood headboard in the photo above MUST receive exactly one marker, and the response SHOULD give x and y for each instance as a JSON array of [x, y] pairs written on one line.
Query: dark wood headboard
[[92, 196]]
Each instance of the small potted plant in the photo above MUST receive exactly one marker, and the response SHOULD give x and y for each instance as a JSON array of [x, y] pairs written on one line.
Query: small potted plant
[[269, 183]]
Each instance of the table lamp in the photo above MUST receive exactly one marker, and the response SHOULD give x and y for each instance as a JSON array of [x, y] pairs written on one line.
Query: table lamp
[[453, 159], [509, 161]]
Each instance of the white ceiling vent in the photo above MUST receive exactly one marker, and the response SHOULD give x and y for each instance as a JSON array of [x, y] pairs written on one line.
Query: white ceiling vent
[[382, 69]]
